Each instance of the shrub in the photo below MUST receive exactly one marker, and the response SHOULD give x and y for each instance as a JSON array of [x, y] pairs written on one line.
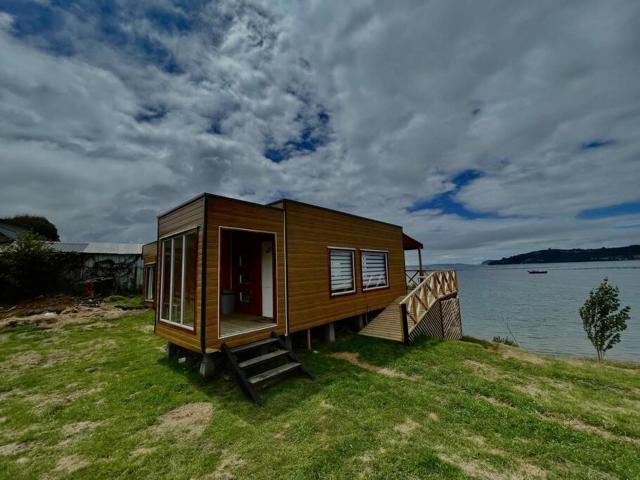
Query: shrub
[[602, 318]]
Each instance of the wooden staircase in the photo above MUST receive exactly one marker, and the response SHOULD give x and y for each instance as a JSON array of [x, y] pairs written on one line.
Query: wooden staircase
[[405, 314], [260, 363]]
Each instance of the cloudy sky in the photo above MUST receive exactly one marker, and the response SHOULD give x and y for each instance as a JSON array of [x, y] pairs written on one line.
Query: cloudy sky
[[484, 128]]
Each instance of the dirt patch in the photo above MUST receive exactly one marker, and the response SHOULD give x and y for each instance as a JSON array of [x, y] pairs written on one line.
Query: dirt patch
[[71, 315], [354, 358], [407, 427], [227, 467], [79, 427], [519, 354], [434, 417], [70, 464], [14, 448], [483, 370], [187, 420]]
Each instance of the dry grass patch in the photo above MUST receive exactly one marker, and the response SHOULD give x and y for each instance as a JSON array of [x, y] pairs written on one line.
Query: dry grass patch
[[79, 427], [14, 448], [189, 420], [496, 402], [70, 463], [407, 427], [43, 402], [226, 469], [519, 354], [476, 468], [483, 370], [142, 452], [354, 358]]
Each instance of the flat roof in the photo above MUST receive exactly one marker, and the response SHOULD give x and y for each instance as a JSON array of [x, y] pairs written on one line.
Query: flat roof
[[105, 248]]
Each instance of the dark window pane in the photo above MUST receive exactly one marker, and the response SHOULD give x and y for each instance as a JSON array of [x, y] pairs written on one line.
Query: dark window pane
[[190, 267], [176, 304]]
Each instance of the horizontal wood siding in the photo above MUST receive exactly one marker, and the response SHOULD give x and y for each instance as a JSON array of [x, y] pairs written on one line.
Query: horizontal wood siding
[[310, 232], [237, 214], [149, 252], [184, 218]]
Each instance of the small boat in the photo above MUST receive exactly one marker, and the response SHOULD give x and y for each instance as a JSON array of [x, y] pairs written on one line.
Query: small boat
[[537, 272]]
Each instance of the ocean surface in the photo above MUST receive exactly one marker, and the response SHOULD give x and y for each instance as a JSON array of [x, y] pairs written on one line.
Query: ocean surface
[[541, 311]]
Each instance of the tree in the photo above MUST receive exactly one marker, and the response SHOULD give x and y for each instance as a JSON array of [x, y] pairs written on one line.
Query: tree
[[602, 317], [36, 224], [29, 265]]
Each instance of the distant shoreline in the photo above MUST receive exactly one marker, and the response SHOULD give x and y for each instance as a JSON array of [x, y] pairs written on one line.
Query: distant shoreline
[[576, 255]]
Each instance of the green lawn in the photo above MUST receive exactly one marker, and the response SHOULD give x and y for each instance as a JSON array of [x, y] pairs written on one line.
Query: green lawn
[[100, 401]]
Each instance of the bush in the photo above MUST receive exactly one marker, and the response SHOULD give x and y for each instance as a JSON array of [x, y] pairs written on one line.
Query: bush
[[601, 319]]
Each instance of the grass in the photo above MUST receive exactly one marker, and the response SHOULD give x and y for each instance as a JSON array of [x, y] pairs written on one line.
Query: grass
[[100, 401]]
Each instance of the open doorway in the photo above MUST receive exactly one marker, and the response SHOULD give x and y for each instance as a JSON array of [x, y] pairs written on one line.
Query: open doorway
[[247, 284]]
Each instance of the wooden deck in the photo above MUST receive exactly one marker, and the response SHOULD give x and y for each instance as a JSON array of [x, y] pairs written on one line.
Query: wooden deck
[[238, 323]]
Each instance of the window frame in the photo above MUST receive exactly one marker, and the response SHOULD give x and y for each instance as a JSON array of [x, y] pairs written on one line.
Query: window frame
[[354, 282], [173, 236], [148, 267], [363, 253]]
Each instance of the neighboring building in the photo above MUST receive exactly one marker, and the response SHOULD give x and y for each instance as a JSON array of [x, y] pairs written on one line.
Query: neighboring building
[[121, 262], [149, 258], [237, 277], [9, 233]]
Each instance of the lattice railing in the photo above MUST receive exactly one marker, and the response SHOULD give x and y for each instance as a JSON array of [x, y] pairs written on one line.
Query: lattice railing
[[435, 286]]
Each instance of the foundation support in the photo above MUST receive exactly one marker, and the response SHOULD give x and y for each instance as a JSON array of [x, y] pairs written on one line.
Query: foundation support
[[331, 333], [288, 342], [171, 350], [207, 366], [360, 322]]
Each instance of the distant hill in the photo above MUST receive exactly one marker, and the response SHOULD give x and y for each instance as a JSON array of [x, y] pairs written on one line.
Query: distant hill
[[632, 252]]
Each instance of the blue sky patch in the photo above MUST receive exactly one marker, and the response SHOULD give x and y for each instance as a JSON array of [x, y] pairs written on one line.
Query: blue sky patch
[[597, 143], [447, 203], [628, 208], [151, 114]]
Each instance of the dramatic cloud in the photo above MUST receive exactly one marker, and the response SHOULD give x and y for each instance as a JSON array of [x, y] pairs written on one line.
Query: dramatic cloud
[[486, 129]]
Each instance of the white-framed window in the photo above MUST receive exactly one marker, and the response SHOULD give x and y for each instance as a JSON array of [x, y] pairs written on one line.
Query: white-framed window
[[375, 271], [178, 279], [149, 282], [341, 271]]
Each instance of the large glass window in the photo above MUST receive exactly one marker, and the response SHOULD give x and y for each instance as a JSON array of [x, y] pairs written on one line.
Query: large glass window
[[149, 282], [341, 271], [374, 270], [179, 258]]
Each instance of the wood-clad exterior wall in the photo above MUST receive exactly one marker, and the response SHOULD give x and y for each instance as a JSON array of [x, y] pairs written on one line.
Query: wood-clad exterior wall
[[182, 219], [303, 234], [237, 214], [310, 232]]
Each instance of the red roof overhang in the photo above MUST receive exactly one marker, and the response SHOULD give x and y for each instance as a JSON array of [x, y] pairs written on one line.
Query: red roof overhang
[[409, 243]]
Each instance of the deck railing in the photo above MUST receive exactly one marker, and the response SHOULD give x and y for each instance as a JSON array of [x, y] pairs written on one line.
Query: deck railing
[[435, 286]]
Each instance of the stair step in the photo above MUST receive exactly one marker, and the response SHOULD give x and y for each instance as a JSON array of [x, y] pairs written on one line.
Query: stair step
[[259, 343], [274, 372], [262, 358]]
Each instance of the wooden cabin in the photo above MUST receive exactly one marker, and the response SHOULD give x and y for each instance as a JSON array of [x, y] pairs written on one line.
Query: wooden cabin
[[230, 273]]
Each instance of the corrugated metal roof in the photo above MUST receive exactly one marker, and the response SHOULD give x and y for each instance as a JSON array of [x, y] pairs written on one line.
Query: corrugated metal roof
[[99, 248]]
